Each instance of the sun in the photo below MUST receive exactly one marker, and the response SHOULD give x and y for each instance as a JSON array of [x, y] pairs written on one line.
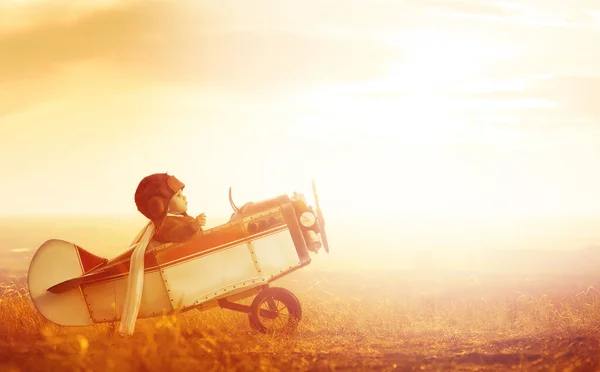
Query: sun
[[418, 100], [396, 135]]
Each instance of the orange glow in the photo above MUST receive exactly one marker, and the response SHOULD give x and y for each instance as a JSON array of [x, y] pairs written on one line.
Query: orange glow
[[455, 147], [421, 124]]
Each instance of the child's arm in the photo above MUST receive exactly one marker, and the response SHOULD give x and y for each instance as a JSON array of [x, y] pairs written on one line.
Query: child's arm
[[178, 229], [201, 218]]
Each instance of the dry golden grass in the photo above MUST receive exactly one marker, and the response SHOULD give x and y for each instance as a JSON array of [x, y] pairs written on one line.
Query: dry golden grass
[[350, 322]]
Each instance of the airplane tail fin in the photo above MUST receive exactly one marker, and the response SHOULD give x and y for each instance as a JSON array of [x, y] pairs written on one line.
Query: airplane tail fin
[[54, 262]]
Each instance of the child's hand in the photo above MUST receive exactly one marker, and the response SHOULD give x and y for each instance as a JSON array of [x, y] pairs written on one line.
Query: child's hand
[[201, 219]]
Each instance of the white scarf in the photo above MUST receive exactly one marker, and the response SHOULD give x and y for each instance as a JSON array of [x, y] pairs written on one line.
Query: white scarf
[[135, 280]]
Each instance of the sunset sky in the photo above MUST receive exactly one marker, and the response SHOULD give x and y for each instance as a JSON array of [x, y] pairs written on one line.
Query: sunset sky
[[438, 111]]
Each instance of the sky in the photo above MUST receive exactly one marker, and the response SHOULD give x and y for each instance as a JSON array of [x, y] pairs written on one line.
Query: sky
[[436, 116]]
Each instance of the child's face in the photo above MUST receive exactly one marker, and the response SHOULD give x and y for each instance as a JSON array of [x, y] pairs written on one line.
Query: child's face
[[178, 203]]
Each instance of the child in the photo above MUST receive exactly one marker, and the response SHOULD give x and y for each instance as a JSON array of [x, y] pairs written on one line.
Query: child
[[160, 198]]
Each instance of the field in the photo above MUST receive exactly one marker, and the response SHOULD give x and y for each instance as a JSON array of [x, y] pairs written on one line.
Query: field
[[385, 321], [523, 310]]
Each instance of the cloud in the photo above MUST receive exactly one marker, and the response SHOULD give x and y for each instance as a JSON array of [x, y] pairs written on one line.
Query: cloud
[[524, 13], [119, 33], [167, 41], [577, 94], [465, 7], [575, 99], [51, 50], [263, 49], [158, 43]]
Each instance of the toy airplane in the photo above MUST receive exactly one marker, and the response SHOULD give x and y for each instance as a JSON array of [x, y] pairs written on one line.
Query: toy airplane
[[262, 242]]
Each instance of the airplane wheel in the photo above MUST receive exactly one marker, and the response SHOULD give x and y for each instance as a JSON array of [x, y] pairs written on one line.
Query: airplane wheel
[[275, 309]]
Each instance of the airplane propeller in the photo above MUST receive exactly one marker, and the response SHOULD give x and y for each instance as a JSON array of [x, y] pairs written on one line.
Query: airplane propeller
[[320, 217]]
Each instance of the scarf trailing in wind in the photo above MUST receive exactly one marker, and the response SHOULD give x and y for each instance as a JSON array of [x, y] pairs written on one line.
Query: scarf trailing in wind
[[135, 280]]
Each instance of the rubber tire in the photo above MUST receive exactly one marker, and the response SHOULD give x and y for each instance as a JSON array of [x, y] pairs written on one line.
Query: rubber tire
[[282, 295]]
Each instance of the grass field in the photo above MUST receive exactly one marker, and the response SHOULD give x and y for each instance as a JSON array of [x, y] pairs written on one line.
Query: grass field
[[388, 321]]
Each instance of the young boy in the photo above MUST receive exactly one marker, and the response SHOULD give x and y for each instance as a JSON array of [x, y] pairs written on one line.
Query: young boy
[[160, 198]]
